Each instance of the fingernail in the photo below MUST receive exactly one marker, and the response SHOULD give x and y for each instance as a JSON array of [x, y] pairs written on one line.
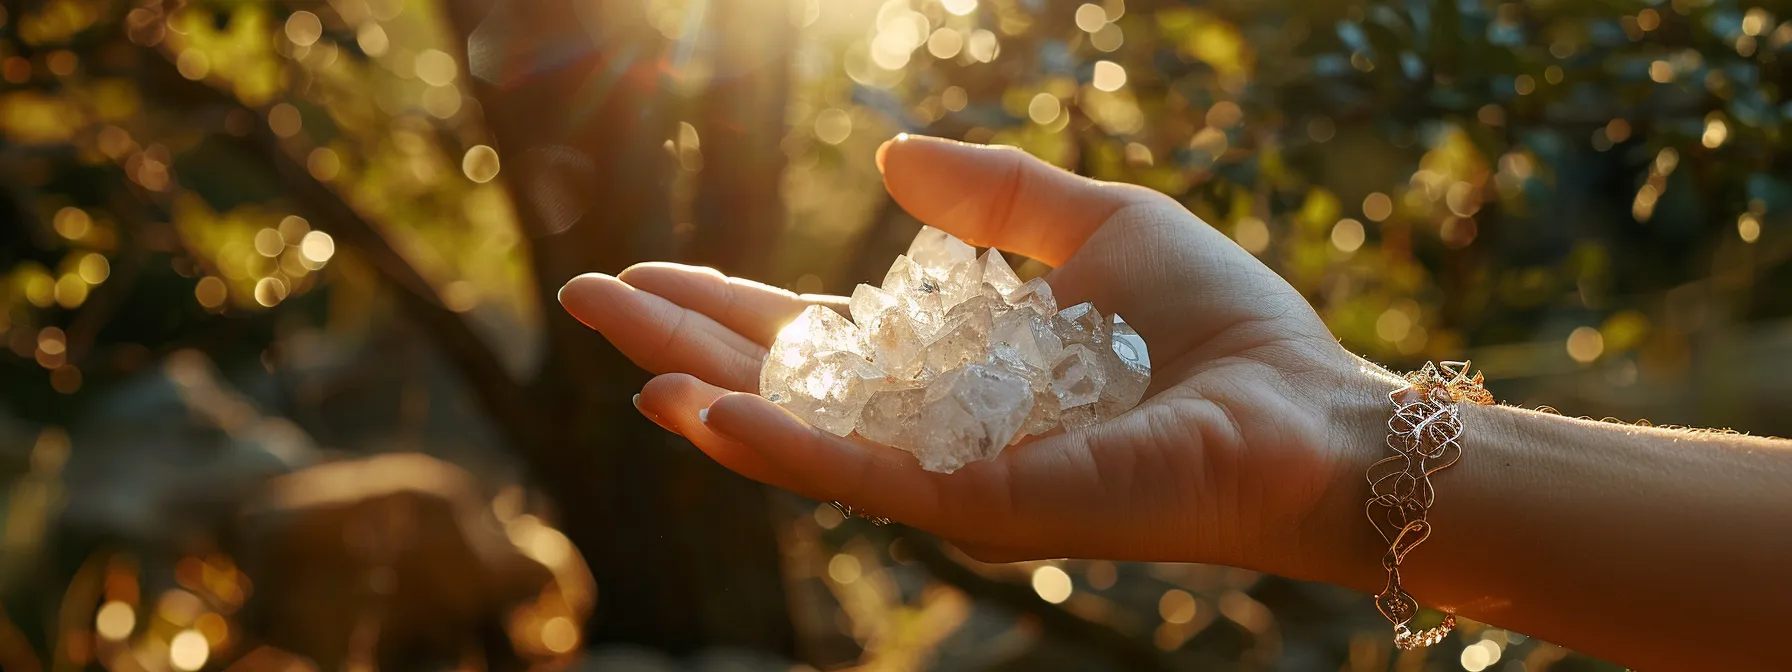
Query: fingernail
[[883, 148], [561, 295], [703, 415], [637, 401]]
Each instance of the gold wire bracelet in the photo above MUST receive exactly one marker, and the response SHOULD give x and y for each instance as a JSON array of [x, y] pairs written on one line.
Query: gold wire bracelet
[[1425, 434]]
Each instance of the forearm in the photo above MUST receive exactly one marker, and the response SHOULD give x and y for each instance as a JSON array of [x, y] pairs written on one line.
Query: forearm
[[1659, 548]]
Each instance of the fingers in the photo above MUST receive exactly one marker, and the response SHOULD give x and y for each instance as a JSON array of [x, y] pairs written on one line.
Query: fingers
[[676, 402], [997, 555], [662, 336], [882, 480], [1000, 196], [754, 310], [1010, 502]]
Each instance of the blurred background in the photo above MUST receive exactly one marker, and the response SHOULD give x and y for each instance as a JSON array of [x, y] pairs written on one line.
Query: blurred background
[[286, 387]]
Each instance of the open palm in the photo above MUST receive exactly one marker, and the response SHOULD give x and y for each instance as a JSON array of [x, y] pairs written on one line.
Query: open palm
[[1229, 458]]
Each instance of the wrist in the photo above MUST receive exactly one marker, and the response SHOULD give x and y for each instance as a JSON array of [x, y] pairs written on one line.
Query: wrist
[[1338, 544]]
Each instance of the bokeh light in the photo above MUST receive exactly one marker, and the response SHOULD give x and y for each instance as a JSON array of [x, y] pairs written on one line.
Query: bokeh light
[[1051, 584]]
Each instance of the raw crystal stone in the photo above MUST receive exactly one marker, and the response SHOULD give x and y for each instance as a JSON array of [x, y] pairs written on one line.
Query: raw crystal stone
[[1078, 377], [829, 391], [815, 331], [1081, 324], [1080, 416], [935, 249], [1028, 336], [997, 273], [1126, 367], [908, 281], [1034, 295], [970, 413], [963, 336], [893, 416], [1044, 416], [954, 358], [891, 336]]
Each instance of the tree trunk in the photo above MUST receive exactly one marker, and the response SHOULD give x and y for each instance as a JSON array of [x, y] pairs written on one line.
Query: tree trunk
[[739, 213], [576, 97]]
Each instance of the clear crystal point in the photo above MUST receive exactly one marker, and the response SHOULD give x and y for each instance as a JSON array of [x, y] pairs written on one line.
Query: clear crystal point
[[953, 358], [936, 249], [997, 272], [1127, 368], [1034, 295]]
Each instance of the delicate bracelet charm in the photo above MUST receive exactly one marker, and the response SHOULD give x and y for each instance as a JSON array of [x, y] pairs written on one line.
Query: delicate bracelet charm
[[1425, 433]]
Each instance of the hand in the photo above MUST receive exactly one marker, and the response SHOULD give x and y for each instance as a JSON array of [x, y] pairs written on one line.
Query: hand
[[1233, 457]]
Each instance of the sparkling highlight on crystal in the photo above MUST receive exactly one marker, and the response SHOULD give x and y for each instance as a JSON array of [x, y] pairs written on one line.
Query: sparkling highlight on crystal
[[954, 359]]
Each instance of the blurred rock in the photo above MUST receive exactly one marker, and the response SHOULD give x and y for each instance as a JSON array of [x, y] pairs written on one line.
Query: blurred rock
[[400, 558]]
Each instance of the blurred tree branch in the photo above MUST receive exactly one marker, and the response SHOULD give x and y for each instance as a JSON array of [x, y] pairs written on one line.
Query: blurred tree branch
[[1134, 653], [487, 377]]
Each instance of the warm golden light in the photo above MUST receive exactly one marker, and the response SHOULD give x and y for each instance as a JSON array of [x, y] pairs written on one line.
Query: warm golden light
[[843, 568], [1052, 584], [269, 292], [1585, 344], [188, 651], [1716, 132], [1661, 71], [1177, 606], [324, 164], [94, 269], [1393, 325], [210, 291], [1044, 109], [72, 223], [1252, 235], [1091, 18], [304, 28], [559, 635], [436, 68], [1348, 235], [1109, 76], [269, 243], [959, 7], [284, 120], [480, 164], [193, 64], [833, 126], [373, 39], [1748, 227], [317, 247], [115, 621], [1378, 207]]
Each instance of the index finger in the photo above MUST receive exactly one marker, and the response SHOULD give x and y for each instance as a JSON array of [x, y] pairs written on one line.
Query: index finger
[[751, 309]]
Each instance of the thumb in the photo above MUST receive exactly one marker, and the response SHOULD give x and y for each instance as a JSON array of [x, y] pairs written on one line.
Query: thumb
[[1000, 196]]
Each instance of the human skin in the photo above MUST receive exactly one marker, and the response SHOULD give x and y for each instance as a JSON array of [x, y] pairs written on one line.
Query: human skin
[[1659, 549]]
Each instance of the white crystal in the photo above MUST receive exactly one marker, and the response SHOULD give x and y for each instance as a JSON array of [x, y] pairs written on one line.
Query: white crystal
[[1126, 367], [954, 358], [1035, 295], [936, 249], [998, 273], [816, 330], [892, 338], [969, 414], [830, 390], [1081, 324], [1078, 377], [893, 416]]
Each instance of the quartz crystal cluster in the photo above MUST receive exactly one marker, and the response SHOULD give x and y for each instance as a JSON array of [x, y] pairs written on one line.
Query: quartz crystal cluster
[[954, 358]]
